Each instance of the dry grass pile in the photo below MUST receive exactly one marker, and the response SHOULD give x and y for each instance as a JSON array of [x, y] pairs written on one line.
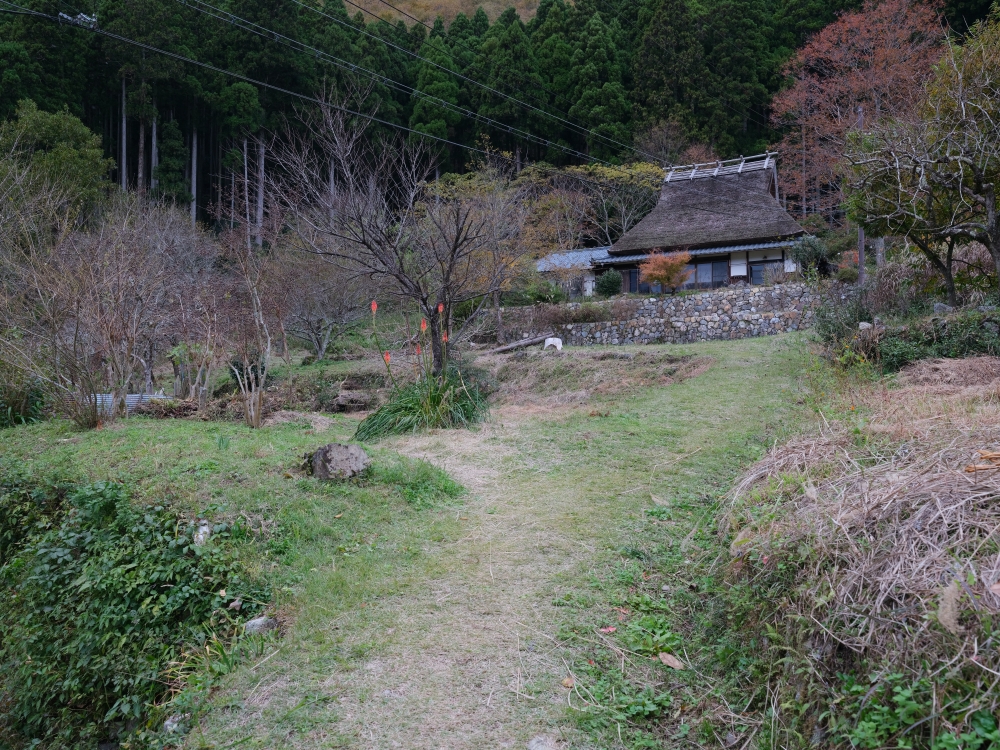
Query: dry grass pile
[[574, 376], [880, 541]]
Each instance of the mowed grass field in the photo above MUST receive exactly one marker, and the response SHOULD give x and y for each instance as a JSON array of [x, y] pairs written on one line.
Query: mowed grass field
[[449, 598]]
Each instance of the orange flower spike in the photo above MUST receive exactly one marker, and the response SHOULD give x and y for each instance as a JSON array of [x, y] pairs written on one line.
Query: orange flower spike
[[374, 306], [418, 350], [423, 324], [440, 307], [386, 357], [444, 337]]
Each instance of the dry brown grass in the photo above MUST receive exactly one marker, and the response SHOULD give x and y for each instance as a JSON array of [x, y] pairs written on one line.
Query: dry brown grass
[[905, 559], [553, 378]]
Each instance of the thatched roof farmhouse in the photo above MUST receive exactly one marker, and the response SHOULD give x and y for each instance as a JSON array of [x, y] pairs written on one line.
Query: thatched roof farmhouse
[[726, 214]]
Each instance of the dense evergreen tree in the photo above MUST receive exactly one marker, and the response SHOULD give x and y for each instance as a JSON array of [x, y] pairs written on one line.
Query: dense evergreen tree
[[600, 101], [174, 157], [612, 67], [434, 80]]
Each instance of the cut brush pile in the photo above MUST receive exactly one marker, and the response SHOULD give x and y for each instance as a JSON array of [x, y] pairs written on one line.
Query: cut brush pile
[[873, 550]]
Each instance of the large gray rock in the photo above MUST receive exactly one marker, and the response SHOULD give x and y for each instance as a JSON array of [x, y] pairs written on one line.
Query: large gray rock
[[338, 461], [260, 625], [940, 308]]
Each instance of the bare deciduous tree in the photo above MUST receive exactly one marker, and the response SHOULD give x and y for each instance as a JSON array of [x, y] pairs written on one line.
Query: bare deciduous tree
[[363, 198], [933, 178]]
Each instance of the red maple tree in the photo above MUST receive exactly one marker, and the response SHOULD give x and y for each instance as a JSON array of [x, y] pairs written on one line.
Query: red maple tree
[[876, 61]]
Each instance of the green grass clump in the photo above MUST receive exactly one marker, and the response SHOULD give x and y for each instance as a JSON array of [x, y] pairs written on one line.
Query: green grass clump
[[421, 484], [431, 402]]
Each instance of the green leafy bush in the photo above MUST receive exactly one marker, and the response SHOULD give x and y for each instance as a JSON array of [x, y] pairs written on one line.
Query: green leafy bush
[[98, 605], [871, 714], [537, 291], [847, 275], [608, 284], [811, 253], [432, 401], [20, 403], [961, 335], [25, 504]]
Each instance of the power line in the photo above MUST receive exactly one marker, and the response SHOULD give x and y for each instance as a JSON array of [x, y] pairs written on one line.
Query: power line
[[271, 35], [117, 37], [476, 52], [579, 128], [265, 33]]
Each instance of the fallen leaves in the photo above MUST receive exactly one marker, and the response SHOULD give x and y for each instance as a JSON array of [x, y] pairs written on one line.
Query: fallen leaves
[[995, 588], [609, 629], [992, 456], [568, 682], [671, 661], [339, 515]]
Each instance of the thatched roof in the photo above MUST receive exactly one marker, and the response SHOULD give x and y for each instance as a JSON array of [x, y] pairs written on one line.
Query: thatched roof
[[706, 205]]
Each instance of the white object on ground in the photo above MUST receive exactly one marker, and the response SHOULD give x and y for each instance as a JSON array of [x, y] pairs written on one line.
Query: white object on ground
[[556, 342]]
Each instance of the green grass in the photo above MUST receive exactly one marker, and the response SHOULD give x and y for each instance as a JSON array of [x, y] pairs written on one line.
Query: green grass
[[578, 510], [326, 548]]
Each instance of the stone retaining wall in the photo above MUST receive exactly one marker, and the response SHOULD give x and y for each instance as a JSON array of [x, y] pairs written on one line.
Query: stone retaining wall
[[728, 313]]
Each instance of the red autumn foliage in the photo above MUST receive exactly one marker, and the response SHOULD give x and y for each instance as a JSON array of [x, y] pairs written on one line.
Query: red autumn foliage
[[669, 270], [878, 59]]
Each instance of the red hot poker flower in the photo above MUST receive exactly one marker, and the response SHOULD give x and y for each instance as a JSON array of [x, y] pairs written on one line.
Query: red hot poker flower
[[374, 306], [418, 350], [386, 357], [440, 307], [444, 337], [423, 324]]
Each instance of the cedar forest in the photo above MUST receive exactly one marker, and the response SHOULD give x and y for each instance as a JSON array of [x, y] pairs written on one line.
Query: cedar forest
[[680, 80]]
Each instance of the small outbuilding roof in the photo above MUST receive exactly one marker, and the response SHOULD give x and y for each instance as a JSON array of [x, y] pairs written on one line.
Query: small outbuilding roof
[[717, 204], [572, 259]]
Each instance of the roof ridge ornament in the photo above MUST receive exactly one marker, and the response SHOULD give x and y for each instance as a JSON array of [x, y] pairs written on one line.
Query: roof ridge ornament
[[720, 167]]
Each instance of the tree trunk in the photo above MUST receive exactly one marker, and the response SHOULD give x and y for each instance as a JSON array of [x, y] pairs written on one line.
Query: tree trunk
[[501, 335], [879, 251], [154, 157], [260, 194], [942, 267], [861, 256], [434, 320], [123, 164], [246, 191], [194, 175], [141, 179]]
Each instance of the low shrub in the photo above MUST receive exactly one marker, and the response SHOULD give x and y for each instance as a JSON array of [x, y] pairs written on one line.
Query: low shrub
[[431, 402], [847, 275], [20, 403], [533, 293], [99, 605], [559, 315], [608, 284], [26, 503], [960, 335]]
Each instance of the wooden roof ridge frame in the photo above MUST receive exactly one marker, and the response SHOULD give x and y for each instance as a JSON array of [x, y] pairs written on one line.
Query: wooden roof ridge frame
[[738, 165]]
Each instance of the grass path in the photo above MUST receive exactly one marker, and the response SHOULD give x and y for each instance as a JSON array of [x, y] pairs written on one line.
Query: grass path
[[464, 651]]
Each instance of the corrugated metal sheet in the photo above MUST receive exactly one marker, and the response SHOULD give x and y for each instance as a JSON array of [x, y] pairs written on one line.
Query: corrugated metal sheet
[[132, 401]]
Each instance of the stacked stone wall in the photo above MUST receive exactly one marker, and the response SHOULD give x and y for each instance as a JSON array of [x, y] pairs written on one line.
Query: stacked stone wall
[[728, 313]]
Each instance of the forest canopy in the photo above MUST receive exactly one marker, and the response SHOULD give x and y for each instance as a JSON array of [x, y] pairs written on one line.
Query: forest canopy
[[596, 79]]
